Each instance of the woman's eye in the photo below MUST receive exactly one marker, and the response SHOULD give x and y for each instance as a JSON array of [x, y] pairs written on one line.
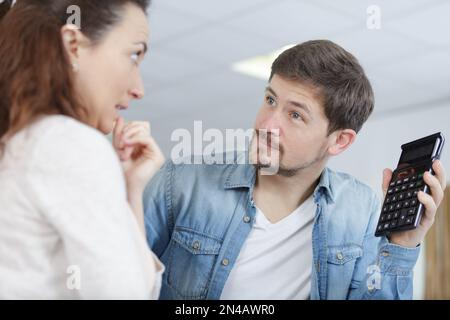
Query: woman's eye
[[135, 57]]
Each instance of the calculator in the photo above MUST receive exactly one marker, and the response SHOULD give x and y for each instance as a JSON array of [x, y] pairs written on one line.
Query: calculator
[[401, 210]]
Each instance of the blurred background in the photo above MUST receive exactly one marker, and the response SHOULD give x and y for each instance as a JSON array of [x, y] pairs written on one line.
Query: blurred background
[[209, 60]]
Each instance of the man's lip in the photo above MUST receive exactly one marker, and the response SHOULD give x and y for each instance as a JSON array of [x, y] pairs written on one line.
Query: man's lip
[[121, 107]]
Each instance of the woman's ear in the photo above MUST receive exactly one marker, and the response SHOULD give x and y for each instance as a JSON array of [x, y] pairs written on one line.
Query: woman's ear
[[341, 140], [73, 42]]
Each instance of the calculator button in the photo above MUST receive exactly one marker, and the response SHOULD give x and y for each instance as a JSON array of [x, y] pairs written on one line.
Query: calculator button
[[395, 214], [380, 227], [412, 185], [406, 180], [409, 194], [396, 189], [398, 182], [390, 191], [391, 207], [393, 223], [406, 204], [402, 218], [414, 177], [398, 206], [386, 226], [392, 184], [404, 187], [411, 211], [415, 193], [413, 202], [394, 198], [401, 196], [409, 220], [388, 216]]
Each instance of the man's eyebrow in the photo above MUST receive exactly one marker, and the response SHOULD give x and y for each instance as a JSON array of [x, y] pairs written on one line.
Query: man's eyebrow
[[271, 91], [144, 44], [301, 105]]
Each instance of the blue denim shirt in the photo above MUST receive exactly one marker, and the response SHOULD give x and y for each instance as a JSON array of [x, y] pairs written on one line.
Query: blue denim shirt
[[198, 217]]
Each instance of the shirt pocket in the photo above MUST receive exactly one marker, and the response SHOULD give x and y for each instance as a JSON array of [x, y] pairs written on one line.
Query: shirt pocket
[[341, 264], [193, 256]]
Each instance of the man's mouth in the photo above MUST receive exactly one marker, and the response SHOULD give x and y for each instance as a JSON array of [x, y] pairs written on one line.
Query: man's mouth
[[121, 107]]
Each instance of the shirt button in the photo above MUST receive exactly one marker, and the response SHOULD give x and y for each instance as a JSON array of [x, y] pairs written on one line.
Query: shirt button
[[196, 245], [247, 219], [340, 256], [225, 262], [385, 254]]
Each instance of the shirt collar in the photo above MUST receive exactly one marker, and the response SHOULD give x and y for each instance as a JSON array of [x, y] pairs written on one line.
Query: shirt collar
[[244, 176]]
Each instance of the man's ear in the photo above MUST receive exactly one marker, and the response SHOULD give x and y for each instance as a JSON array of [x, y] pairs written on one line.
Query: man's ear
[[340, 141], [73, 41]]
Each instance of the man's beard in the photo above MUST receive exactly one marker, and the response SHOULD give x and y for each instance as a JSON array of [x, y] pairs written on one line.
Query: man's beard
[[293, 171]]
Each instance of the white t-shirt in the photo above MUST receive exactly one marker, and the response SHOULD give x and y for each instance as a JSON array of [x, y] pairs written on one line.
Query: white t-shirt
[[276, 259], [66, 229]]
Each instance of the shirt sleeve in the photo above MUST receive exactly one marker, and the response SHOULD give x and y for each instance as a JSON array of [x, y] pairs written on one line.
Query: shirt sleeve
[[79, 187], [385, 271]]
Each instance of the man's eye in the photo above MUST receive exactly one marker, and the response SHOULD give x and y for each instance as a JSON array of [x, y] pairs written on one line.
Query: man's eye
[[270, 100], [296, 116]]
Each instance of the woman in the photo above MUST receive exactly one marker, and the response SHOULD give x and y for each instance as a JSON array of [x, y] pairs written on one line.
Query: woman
[[71, 217]]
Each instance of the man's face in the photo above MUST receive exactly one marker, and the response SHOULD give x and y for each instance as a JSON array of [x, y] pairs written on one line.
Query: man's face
[[295, 111]]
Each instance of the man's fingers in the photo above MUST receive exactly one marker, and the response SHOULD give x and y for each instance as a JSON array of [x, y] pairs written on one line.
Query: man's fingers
[[428, 202], [440, 174], [435, 187], [387, 176]]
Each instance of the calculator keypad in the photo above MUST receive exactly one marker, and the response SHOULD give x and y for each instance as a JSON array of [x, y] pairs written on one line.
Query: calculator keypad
[[401, 206]]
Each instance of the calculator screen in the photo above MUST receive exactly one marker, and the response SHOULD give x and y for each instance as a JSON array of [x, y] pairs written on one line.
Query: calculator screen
[[417, 152]]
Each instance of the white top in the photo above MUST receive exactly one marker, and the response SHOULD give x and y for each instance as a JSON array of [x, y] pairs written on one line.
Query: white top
[[66, 229], [276, 259]]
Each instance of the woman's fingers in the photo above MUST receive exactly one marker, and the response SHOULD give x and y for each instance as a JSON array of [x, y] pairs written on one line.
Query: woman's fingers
[[138, 124], [134, 131], [118, 128], [123, 131]]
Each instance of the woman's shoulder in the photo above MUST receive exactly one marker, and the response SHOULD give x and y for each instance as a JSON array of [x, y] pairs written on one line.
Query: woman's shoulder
[[60, 139], [60, 126]]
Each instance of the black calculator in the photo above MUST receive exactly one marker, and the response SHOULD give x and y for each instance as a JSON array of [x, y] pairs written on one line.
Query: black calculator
[[401, 209]]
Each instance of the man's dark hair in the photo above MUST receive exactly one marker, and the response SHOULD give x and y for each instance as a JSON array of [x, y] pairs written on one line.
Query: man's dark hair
[[345, 91]]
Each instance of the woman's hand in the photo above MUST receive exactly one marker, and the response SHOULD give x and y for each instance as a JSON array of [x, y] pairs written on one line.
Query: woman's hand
[[139, 154]]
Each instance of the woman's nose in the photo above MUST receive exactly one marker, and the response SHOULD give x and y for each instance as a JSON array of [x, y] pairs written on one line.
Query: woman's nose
[[137, 92]]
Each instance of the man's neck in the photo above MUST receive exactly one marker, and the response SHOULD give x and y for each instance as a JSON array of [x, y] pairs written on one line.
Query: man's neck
[[278, 196]]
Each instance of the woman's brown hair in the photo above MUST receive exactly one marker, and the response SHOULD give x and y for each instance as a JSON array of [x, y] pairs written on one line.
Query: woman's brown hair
[[35, 74]]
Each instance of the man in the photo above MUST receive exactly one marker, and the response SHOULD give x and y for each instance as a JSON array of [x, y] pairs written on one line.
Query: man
[[231, 232]]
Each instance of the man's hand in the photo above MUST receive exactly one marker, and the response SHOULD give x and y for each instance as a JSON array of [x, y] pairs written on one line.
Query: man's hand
[[436, 184]]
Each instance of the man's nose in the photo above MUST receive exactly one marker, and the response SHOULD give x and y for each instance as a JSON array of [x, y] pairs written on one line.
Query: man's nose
[[272, 123]]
